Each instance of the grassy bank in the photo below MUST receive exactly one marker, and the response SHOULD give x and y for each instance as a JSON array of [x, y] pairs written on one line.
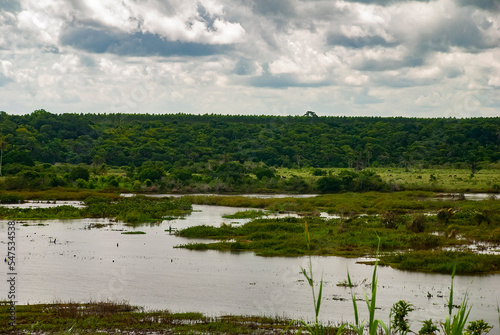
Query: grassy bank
[[137, 209], [109, 317], [55, 194]]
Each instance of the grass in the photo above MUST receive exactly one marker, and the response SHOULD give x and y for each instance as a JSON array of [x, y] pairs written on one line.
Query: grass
[[250, 214], [455, 323], [373, 324], [133, 232], [58, 194], [358, 236], [349, 204], [444, 262], [113, 317], [137, 209], [444, 179]]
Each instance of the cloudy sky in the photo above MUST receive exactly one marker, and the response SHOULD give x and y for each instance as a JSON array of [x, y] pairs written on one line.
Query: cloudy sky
[[422, 58]]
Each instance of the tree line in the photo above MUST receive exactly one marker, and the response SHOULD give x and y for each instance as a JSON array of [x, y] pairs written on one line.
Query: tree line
[[177, 141]]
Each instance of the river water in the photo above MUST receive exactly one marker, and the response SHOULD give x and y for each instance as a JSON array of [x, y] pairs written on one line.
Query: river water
[[146, 270]]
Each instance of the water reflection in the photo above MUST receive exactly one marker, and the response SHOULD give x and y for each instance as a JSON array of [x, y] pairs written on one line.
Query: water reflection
[[146, 270]]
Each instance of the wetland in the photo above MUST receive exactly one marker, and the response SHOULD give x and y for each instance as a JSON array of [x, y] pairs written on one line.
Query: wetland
[[151, 263]]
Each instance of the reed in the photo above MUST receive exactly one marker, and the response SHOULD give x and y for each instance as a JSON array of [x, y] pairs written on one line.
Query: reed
[[373, 324], [455, 323]]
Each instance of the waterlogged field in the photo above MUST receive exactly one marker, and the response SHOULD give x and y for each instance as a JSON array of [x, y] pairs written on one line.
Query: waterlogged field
[[96, 259]]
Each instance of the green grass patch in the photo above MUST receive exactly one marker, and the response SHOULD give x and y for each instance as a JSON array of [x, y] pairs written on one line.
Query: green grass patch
[[111, 317], [250, 214], [404, 234], [133, 233], [444, 261], [135, 210]]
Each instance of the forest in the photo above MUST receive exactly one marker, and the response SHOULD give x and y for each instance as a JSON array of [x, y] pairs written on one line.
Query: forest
[[42, 150]]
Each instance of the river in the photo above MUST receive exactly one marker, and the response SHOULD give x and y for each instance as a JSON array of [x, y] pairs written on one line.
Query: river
[[65, 261]]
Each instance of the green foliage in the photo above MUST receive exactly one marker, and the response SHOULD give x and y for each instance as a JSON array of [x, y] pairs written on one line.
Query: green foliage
[[418, 223], [181, 174], [316, 328], [478, 327], [138, 209], [184, 140], [261, 172], [113, 317], [329, 184], [428, 328], [444, 215], [443, 262], [79, 172], [251, 214], [373, 324], [354, 235], [455, 323], [319, 172], [150, 172], [6, 198], [398, 316]]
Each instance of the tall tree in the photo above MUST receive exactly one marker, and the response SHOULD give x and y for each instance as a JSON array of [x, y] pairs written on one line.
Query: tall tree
[[3, 146]]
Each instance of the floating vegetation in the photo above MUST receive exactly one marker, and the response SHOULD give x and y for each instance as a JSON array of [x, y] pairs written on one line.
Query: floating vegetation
[[171, 218], [97, 225], [133, 232], [34, 225]]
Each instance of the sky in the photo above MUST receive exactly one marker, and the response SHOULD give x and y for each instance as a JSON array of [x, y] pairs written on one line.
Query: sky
[[419, 58]]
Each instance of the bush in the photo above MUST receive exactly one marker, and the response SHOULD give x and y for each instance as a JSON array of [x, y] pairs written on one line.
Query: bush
[[79, 173], [80, 183], [11, 199], [418, 223], [329, 184]]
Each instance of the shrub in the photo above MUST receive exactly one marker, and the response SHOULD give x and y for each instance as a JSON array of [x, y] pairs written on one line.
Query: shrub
[[79, 173], [417, 224]]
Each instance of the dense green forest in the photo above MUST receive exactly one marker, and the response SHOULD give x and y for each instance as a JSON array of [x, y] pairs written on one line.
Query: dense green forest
[[202, 148], [180, 140]]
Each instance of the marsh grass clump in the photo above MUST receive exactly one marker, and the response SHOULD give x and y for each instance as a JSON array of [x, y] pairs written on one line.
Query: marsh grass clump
[[138, 209], [373, 325], [78, 310], [121, 318], [408, 248], [455, 323], [9, 198], [443, 262], [251, 214]]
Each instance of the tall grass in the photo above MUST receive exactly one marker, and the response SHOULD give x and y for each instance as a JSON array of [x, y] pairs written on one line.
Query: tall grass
[[373, 324], [455, 324], [316, 328]]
